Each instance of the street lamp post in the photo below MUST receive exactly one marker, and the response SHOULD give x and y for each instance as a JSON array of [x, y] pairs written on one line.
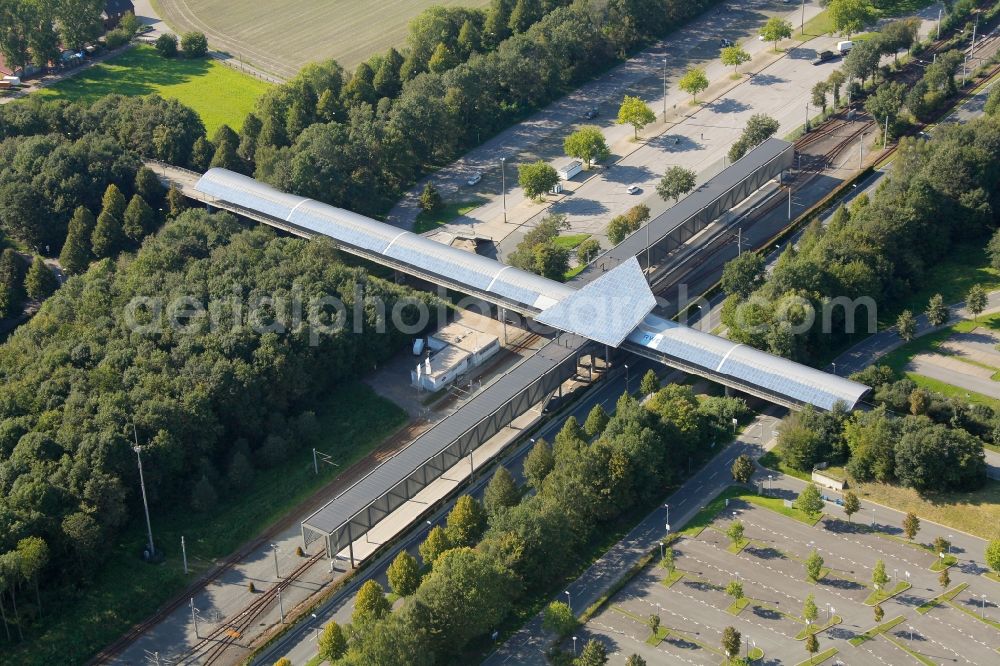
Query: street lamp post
[[317, 627], [574, 646], [569, 601], [802, 25], [664, 88], [142, 485], [626, 377], [949, 543], [274, 548], [503, 186]]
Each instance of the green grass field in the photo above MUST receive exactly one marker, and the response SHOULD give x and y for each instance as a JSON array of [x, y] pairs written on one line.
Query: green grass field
[[448, 213], [280, 36], [219, 94], [77, 623]]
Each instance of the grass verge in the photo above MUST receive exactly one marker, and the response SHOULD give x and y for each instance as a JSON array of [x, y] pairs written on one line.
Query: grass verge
[[878, 596], [992, 575], [219, 94], [978, 616], [816, 628], [876, 630], [448, 213], [976, 512], [80, 622], [774, 460], [942, 563], [819, 658], [672, 578], [657, 636], [704, 518], [913, 653], [570, 241], [737, 606], [930, 604], [778, 506]]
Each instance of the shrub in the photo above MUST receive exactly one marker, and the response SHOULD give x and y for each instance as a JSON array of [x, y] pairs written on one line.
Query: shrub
[[166, 45], [116, 38], [195, 44]]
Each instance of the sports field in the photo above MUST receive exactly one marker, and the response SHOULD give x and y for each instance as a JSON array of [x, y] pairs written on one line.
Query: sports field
[[219, 94], [280, 36]]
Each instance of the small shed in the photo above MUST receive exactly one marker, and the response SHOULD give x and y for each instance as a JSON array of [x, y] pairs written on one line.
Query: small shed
[[441, 369], [479, 345], [115, 11], [568, 167]]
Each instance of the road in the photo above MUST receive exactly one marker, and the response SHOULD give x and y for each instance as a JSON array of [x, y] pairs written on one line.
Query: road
[[299, 643], [528, 645]]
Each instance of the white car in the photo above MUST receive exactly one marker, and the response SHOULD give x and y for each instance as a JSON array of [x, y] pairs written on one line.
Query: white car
[[476, 177], [632, 189]]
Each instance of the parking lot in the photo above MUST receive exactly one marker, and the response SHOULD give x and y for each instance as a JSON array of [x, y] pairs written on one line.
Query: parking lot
[[694, 608]]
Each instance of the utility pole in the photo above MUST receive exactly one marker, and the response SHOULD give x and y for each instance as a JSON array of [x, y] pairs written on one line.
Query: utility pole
[[807, 117], [274, 548], [194, 618], [664, 88], [939, 24], [184, 555], [789, 203], [503, 186], [802, 27], [975, 26], [885, 135], [861, 152], [142, 485], [281, 607]]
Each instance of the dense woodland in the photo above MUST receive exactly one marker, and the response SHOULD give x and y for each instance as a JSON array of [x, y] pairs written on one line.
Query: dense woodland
[[210, 402], [490, 558]]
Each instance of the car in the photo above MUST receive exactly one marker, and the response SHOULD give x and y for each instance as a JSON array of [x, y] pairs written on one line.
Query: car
[[823, 57], [476, 177], [591, 112], [724, 43], [632, 189], [838, 501]]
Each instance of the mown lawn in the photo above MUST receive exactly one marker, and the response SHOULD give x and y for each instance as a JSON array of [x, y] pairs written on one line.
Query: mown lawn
[[219, 94], [449, 213], [976, 512], [79, 622]]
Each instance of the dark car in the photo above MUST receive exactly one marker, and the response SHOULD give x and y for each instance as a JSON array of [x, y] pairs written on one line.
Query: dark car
[[591, 112], [823, 57], [725, 43]]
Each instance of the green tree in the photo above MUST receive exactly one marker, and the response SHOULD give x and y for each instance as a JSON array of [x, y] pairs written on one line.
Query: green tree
[[536, 178], [941, 545], [937, 311], [79, 21], [812, 645], [202, 153], [597, 421], [442, 59], [911, 525], [108, 238], [501, 492], [731, 640], [775, 30], [886, 102], [588, 250], [734, 56], [593, 654], [403, 574], [430, 199], [650, 384], [809, 500], [39, 282], [906, 325], [742, 468], [944, 580], [203, 495], [241, 472], [332, 642], [851, 504], [370, 604], [538, 464], [920, 401], [622, 225], [166, 45], [559, 619], [148, 186], [814, 565], [819, 90], [851, 16], [735, 589], [744, 274], [760, 127], [113, 202], [635, 660], [465, 522], [176, 203], [194, 44], [735, 532], [879, 577], [284, 661], [75, 255], [878, 613], [653, 622], [667, 561], [676, 182], [33, 556], [809, 610], [636, 113], [139, 219], [588, 144], [693, 82], [130, 24], [975, 300], [836, 80], [992, 555], [435, 544], [898, 35]]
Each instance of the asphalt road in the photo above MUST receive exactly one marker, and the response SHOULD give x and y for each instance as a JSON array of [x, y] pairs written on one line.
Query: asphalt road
[[528, 644]]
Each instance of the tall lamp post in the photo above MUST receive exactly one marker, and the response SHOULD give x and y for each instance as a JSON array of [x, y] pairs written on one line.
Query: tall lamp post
[[503, 186], [142, 485]]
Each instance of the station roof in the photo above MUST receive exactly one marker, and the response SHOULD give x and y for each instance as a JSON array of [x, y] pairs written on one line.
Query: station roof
[[748, 365]]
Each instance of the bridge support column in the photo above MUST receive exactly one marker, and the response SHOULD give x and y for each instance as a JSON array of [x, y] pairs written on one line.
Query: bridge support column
[[350, 544], [729, 392]]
